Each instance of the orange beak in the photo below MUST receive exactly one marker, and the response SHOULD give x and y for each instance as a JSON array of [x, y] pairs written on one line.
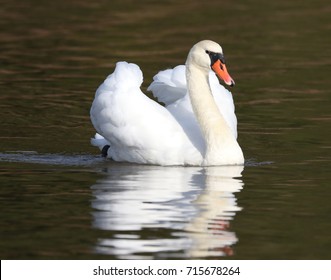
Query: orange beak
[[220, 69]]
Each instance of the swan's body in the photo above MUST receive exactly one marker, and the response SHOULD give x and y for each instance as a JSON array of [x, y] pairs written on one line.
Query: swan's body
[[198, 128]]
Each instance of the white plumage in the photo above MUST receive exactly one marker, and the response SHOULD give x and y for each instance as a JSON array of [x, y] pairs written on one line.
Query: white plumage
[[140, 130]]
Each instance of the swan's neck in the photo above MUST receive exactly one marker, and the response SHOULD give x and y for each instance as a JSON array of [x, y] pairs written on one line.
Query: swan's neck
[[221, 145]]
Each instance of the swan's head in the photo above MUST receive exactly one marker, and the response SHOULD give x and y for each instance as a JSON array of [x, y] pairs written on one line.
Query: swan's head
[[208, 55]]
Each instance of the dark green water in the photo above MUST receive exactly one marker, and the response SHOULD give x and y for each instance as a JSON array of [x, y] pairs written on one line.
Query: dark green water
[[60, 200]]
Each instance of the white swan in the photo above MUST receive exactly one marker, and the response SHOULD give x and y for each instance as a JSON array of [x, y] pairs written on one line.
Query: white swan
[[139, 130]]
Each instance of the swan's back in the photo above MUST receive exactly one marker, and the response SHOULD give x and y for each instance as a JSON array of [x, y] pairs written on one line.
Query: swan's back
[[170, 87]]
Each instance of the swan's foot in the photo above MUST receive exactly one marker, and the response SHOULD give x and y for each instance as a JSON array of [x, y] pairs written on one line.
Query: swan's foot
[[104, 151]]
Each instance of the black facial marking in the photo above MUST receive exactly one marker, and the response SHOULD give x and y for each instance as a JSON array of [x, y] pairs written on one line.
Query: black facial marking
[[215, 56]]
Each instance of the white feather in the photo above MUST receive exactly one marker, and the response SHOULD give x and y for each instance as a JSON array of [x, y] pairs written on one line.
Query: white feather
[[169, 86], [140, 130], [137, 128]]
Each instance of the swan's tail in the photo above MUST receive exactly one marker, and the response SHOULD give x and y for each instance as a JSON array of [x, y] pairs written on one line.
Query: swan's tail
[[99, 141]]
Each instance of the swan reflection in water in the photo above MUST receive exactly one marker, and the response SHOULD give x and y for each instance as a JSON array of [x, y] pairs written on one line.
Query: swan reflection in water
[[166, 212]]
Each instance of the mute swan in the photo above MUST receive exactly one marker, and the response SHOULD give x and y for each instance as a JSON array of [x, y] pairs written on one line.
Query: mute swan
[[198, 128]]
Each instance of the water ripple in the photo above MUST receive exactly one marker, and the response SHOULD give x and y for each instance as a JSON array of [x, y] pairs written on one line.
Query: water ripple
[[50, 159]]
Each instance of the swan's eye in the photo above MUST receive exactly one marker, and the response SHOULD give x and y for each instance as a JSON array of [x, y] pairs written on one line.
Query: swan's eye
[[211, 54], [215, 56]]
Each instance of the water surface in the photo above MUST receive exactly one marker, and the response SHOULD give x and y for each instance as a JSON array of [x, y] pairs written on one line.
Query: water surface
[[61, 200]]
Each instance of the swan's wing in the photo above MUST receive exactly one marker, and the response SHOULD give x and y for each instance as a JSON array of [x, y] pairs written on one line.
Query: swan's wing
[[169, 86], [137, 128]]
